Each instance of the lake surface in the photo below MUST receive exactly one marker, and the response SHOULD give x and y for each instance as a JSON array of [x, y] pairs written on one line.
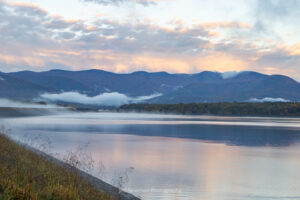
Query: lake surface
[[176, 157]]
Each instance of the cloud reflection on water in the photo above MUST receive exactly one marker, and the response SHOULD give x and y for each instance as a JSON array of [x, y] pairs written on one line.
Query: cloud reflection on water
[[187, 161]]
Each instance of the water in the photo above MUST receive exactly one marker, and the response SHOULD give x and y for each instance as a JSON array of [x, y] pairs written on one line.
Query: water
[[178, 157]]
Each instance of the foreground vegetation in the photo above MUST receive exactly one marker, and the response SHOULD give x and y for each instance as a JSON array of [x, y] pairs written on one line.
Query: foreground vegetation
[[226, 109], [25, 175]]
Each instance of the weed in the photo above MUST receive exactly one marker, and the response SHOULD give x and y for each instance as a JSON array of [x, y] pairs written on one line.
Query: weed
[[25, 175]]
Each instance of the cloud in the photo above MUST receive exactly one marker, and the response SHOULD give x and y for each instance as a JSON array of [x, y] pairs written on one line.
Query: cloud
[[57, 23], [32, 39], [28, 9], [229, 74], [118, 2], [144, 98], [268, 99], [225, 24], [273, 17], [146, 38], [276, 8], [105, 99]]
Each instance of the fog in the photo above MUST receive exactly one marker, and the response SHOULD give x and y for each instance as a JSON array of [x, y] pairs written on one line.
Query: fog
[[268, 99], [18, 104], [105, 99], [229, 74]]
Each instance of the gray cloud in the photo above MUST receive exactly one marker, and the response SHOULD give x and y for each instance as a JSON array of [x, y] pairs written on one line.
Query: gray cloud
[[37, 28], [279, 57], [67, 35], [274, 9], [263, 58], [144, 38], [118, 2], [59, 23], [38, 41], [23, 24], [33, 38], [270, 12], [29, 10]]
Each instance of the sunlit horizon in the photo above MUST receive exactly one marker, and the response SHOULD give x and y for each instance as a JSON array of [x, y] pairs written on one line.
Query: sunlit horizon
[[175, 36]]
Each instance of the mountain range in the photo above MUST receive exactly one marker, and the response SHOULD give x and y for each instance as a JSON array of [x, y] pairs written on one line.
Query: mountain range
[[205, 86]]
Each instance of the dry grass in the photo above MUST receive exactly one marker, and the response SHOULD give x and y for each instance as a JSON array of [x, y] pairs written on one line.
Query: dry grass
[[24, 175]]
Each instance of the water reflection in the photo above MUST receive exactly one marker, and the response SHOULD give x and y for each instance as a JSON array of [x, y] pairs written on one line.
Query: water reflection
[[174, 168], [186, 161], [243, 131]]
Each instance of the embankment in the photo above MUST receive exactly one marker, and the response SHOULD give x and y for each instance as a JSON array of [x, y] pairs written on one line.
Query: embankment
[[30, 174]]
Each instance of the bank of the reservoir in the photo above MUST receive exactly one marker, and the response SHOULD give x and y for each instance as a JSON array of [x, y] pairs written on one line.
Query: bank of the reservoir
[[30, 174]]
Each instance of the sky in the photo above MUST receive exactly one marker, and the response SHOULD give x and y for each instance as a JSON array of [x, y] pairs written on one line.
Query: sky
[[177, 36]]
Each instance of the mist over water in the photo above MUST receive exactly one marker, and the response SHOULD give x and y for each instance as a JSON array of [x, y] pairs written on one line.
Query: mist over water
[[105, 99], [7, 103], [180, 157], [268, 99]]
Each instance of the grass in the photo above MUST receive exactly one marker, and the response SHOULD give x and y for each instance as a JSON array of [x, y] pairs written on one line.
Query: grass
[[25, 175]]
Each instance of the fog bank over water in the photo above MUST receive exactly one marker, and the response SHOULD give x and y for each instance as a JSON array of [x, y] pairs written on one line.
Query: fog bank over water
[[268, 99], [230, 74], [10, 108], [6, 103], [105, 99]]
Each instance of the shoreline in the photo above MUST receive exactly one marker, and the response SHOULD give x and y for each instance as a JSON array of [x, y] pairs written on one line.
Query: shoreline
[[96, 182], [222, 109], [24, 150], [16, 112]]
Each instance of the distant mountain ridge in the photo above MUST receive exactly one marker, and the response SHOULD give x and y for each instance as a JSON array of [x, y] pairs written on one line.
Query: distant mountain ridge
[[205, 86]]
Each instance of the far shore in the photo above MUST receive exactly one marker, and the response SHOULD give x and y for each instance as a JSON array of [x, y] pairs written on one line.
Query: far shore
[[276, 109], [231, 109]]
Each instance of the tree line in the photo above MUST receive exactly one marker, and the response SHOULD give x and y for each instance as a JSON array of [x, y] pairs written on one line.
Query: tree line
[[227, 109]]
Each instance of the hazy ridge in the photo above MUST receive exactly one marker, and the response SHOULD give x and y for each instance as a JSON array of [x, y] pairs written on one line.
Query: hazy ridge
[[101, 87]]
